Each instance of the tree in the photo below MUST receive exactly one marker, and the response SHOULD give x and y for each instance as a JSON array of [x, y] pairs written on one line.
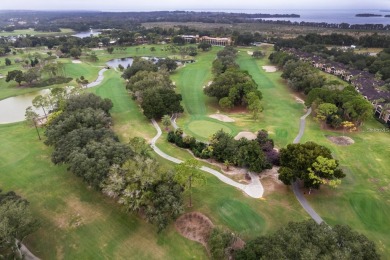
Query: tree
[[258, 54], [357, 110], [139, 65], [16, 75], [204, 46], [219, 243], [166, 121], [170, 64], [159, 102], [142, 185], [188, 174], [40, 102], [308, 240], [225, 103], [31, 75], [93, 57], [178, 40], [17, 222], [110, 49], [325, 110], [304, 162], [75, 52], [7, 62]]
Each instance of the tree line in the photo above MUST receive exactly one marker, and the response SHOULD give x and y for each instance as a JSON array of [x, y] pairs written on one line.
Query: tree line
[[256, 155], [79, 131], [332, 102]]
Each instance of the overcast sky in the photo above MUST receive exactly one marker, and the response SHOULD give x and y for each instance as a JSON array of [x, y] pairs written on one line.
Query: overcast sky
[[189, 4]]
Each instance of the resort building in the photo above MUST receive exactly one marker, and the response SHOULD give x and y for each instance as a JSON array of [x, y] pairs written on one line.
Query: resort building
[[215, 41]]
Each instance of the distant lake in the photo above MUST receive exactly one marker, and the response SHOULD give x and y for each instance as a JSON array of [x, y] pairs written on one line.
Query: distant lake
[[87, 34]]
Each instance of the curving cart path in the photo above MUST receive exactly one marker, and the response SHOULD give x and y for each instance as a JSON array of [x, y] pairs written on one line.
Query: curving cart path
[[298, 193], [254, 189]]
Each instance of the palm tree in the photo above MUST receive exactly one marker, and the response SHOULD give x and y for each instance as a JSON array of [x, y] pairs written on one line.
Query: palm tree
[[166, 121]]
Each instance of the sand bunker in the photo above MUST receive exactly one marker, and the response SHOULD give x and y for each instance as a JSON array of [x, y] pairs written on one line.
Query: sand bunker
[[300, 101], [247, 135], [76, 61], [250, 53], [195, 226], [270, 68], [222, 118], [341, 140]]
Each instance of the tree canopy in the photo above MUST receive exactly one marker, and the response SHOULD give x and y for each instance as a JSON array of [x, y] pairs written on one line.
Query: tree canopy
[[308, 240], [16, 222], [311, 163]]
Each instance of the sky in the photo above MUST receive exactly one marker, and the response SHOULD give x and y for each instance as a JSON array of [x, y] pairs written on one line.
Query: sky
[[146, 5]]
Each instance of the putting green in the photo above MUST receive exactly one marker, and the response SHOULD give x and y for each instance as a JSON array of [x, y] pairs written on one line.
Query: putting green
[[204, 129]]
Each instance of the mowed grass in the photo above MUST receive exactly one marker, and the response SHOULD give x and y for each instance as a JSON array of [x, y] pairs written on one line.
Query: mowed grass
[[203, 129], [281, 113]]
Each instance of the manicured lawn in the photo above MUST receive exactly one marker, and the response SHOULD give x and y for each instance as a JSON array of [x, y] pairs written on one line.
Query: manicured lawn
[[204, 129]]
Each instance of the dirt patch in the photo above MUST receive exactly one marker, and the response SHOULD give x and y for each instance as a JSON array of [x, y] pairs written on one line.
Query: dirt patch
[[222, 118], [247, 135], [76, 61], [340, 140], [270, 181], [76, 213], [195, 226], [270, 68]]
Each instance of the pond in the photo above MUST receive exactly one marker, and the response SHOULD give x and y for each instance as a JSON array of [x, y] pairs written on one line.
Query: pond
[[12, 109], [122, 61], [86, 34]]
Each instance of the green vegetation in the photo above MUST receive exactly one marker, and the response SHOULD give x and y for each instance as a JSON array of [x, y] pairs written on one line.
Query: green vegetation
[[310, 240]]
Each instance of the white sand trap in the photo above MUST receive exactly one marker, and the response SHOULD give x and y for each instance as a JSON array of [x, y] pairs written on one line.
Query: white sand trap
[[76, 61], [247, 135], [209, 83], [270, 68], [250, 52], [222, 118], [300, 101], [1, 76]]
